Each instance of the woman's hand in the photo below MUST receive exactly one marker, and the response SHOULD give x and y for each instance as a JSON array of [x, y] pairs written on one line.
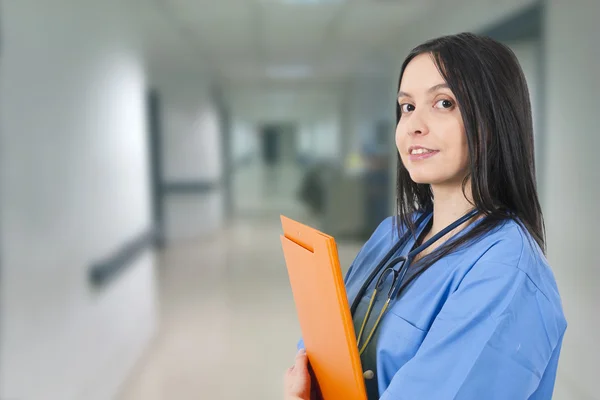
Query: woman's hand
[[297, 382]]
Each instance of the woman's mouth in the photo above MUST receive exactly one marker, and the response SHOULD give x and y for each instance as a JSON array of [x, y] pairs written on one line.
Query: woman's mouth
[[420, 153]]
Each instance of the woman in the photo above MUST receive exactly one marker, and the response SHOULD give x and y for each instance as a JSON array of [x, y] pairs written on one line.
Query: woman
[[478, 314]]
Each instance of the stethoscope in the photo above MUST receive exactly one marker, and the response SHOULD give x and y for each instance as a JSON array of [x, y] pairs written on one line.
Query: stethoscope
[[397, 275]]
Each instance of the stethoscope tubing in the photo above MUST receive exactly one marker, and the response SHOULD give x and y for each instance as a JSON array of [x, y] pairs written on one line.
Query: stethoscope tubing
[[398, 276], [401, 242]]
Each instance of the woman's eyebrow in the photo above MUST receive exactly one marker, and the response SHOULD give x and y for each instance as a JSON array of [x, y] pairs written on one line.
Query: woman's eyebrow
[[438, 87], [431, 89]]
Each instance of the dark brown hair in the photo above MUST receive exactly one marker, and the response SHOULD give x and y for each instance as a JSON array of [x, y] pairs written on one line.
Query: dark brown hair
[[493, 98]]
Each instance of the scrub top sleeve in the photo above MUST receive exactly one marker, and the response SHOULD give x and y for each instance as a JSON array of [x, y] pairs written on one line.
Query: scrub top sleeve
[[489, 341]]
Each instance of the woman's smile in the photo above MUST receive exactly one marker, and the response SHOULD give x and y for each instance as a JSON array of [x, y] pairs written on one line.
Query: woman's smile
[[416, 153]]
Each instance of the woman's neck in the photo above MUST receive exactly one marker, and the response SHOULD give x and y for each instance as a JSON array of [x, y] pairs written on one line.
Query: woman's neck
[[449, 204]]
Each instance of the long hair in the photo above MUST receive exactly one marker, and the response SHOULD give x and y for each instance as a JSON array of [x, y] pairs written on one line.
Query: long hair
[[493, 98]]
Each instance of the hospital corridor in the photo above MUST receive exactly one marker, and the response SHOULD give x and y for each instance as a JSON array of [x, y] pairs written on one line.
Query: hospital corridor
[[148, 149], [227, 307]]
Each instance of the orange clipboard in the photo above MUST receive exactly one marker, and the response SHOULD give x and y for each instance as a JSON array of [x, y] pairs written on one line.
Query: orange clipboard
[[323, 311]]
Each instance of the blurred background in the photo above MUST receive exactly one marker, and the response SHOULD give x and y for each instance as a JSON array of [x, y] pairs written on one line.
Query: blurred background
[[148, 147]]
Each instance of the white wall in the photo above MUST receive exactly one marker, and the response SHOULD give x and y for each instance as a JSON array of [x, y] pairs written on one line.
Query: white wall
[[191, 152], [572, 174], [191, 142], [74, 184], [244, 141]]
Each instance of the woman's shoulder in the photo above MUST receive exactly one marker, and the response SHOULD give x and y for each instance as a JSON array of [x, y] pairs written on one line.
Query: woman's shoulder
[[510, 246]]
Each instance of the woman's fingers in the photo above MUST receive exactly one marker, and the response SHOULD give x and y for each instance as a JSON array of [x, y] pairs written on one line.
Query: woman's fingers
[[300, 361], [297, 379]]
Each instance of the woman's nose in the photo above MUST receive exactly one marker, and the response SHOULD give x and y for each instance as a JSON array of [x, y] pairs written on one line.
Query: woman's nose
[[417, 124]]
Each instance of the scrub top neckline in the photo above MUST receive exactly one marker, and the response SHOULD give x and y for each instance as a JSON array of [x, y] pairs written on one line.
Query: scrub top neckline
[[427, 223]]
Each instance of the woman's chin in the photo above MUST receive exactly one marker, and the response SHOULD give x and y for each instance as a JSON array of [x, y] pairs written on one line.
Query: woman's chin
[[423, 179], [436, 179]]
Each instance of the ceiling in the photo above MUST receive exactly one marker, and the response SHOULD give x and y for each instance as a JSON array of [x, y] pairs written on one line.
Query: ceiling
[[243, 41]]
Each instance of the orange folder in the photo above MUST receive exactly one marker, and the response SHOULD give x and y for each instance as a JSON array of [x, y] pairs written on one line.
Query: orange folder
[[323, 311]]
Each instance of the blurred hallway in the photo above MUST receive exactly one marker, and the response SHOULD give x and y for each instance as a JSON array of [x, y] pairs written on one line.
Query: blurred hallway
[[261, 191], [229, 326], [126, 125]]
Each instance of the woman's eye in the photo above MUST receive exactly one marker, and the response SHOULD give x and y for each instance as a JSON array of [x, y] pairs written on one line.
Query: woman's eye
[[444, 104], [406, 107]]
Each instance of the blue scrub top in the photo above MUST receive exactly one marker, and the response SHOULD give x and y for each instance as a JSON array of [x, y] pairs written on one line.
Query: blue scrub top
[[484, 322]]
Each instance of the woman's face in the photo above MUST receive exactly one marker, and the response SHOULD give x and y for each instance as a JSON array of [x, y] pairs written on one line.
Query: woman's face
[[430, 136]]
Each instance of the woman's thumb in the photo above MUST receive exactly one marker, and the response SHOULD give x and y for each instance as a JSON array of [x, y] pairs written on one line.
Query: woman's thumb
[[301, 360]]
